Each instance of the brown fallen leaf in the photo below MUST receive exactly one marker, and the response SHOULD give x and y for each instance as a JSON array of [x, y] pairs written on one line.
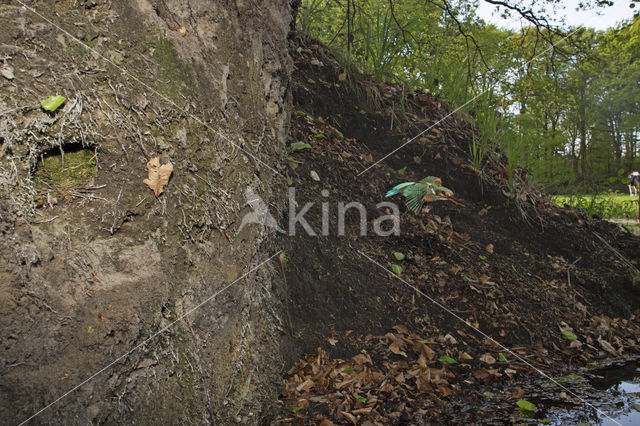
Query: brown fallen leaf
[[305, 386], [427, 351], [481, 374], [158, 175], [396, 349], [575, 344], [350, 417], [463, 356], [510, 372], [179, 29], [607, 346], [487, 358], [517, 393]]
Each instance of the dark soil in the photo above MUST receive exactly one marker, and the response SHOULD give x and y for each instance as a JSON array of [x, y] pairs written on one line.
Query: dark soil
[[508, 263]]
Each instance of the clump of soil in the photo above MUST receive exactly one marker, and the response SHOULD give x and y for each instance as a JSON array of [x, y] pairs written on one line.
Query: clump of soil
[[494, 292]]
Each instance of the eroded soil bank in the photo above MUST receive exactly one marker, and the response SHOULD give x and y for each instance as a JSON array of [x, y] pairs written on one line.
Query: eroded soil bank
[[92, 270], [495, 301]]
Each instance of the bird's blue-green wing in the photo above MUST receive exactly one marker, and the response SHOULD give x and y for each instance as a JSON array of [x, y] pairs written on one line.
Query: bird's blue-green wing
[[415, 196], [398, 188]]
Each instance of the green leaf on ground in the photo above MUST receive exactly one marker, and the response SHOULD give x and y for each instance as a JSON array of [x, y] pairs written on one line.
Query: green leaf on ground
[[447, 359], [567, 335], [501, 357], [360, 398], [399, 256], [397, 269], [297, 146], [402, 170], [469, 280], [53, 103], [526, 406], [293, 163]]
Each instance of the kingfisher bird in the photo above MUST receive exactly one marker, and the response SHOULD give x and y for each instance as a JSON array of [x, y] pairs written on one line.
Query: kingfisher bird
[[428, 189]]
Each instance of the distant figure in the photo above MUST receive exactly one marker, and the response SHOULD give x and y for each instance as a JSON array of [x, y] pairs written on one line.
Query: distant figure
[[634, 184]]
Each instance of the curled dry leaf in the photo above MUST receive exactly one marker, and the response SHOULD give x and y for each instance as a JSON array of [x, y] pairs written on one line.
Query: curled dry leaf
[[396, 349], [575, 344], [158, 175], [607, 346], [305, 386], [488, 359], [350, 417], [464, 356], [179, 29]]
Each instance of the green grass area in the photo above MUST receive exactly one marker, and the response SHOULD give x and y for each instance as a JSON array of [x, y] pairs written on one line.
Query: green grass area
[[606, 205]]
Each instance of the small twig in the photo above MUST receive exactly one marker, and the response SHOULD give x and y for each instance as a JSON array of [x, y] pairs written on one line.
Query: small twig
[[86, 196], [46, 221], [89, 188]]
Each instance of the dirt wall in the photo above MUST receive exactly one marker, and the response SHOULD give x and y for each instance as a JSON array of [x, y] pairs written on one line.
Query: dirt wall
[[89, 273]]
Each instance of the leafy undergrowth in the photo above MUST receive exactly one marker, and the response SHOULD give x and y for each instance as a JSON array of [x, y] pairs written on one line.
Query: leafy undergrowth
[[401, 328], [606, 206]]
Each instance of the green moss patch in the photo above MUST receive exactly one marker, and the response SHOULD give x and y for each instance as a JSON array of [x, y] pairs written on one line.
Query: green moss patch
[[177, 80], [57, 173]]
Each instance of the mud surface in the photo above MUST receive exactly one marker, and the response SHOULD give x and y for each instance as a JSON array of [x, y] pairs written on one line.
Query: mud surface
[[89, 273]]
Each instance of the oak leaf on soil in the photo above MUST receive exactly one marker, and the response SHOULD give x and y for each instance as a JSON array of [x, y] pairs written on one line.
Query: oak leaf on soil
[[158, 175]]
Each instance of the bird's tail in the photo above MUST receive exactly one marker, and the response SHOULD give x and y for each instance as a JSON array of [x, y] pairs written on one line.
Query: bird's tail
[[398, 189]]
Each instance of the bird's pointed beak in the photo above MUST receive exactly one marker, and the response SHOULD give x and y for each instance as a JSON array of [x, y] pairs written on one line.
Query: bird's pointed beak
[[453, 200]]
